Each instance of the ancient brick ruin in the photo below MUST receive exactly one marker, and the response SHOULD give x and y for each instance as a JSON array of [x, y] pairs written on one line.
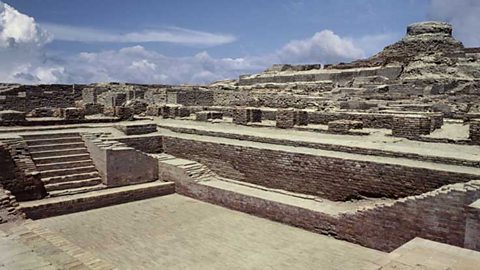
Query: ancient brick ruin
[[375, 152]]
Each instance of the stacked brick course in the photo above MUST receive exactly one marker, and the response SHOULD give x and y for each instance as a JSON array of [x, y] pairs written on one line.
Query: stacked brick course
[[135, 129], [343, 126], [73, 113], [208, 115], [288, 118], [19, 174], [285, 118], [475, 131], [333, 178], [411, 126]]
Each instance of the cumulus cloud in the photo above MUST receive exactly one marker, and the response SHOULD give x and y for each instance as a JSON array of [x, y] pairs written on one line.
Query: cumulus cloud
[[323, 47], [21, 47], [24, 59], [463, 15], [169, 34]]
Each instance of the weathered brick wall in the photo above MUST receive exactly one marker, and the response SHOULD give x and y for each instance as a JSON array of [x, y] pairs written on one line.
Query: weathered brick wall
[[328, 177], [439, 215], [472, 226], [193, 97], [18, 173], [411, 126], [285, 118], [147, 144], [475, 131], [9, 207], [370, 120], [28, 97], [272, 99]]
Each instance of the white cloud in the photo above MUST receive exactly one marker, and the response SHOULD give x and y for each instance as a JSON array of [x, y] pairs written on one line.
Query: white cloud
[[464, 15], [169, 34], [323, 47], [17, 29], [24, 60]]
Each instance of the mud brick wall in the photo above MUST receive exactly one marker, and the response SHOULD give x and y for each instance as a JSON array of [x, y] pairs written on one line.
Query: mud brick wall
[[241, 116], [193, 97], [439, 215], [18, 173], [472, 226], [28, 97], [369, 120], [136, 129], [411, 126], [9, 207], [301, 118], [285, 118], [475, 131], [147, 144], [329, 177]]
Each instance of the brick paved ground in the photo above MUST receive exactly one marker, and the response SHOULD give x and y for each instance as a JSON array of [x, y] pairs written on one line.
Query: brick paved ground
[[176, 232]]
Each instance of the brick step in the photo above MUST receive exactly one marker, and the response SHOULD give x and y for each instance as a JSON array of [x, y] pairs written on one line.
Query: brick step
[[73, 184], [64, 165], [54, 141], [84, 201], [69, 171], [50, 135], [66, 158], [73, 191], [54, 153], [58, 146], [69, 178]]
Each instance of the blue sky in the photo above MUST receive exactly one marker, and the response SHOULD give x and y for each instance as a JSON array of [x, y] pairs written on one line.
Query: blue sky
[[187, 41]]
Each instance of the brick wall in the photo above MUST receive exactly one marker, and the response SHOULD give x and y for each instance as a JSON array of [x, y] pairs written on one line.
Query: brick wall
[[439, 215], [411, 126], [118, 164], [18, 173], [28, 97], [475, 131], [328, 177], [147, 144]]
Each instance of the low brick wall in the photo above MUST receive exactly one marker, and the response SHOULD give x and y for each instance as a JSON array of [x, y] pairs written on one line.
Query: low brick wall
[[439, 215], [106, 197], [475, 131], [329, 177], [147, 144], [18, 173], [120, 165], [411, 126], [136, 129], [285, 118]]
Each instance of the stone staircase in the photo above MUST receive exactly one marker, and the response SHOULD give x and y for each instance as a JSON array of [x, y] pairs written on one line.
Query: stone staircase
[[64, 163], [28, 245]]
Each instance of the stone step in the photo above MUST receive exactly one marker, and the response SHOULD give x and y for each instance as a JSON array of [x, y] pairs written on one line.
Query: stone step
[[73, 184], [84, 201], [64, 165], [54, 153], [70, 177], [50, 135], [66, 158], [58, 146], [69, 171], [73, 191], [54, 141]]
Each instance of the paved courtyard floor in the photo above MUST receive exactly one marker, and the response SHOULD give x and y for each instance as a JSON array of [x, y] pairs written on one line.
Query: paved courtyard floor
[[177, 232]]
